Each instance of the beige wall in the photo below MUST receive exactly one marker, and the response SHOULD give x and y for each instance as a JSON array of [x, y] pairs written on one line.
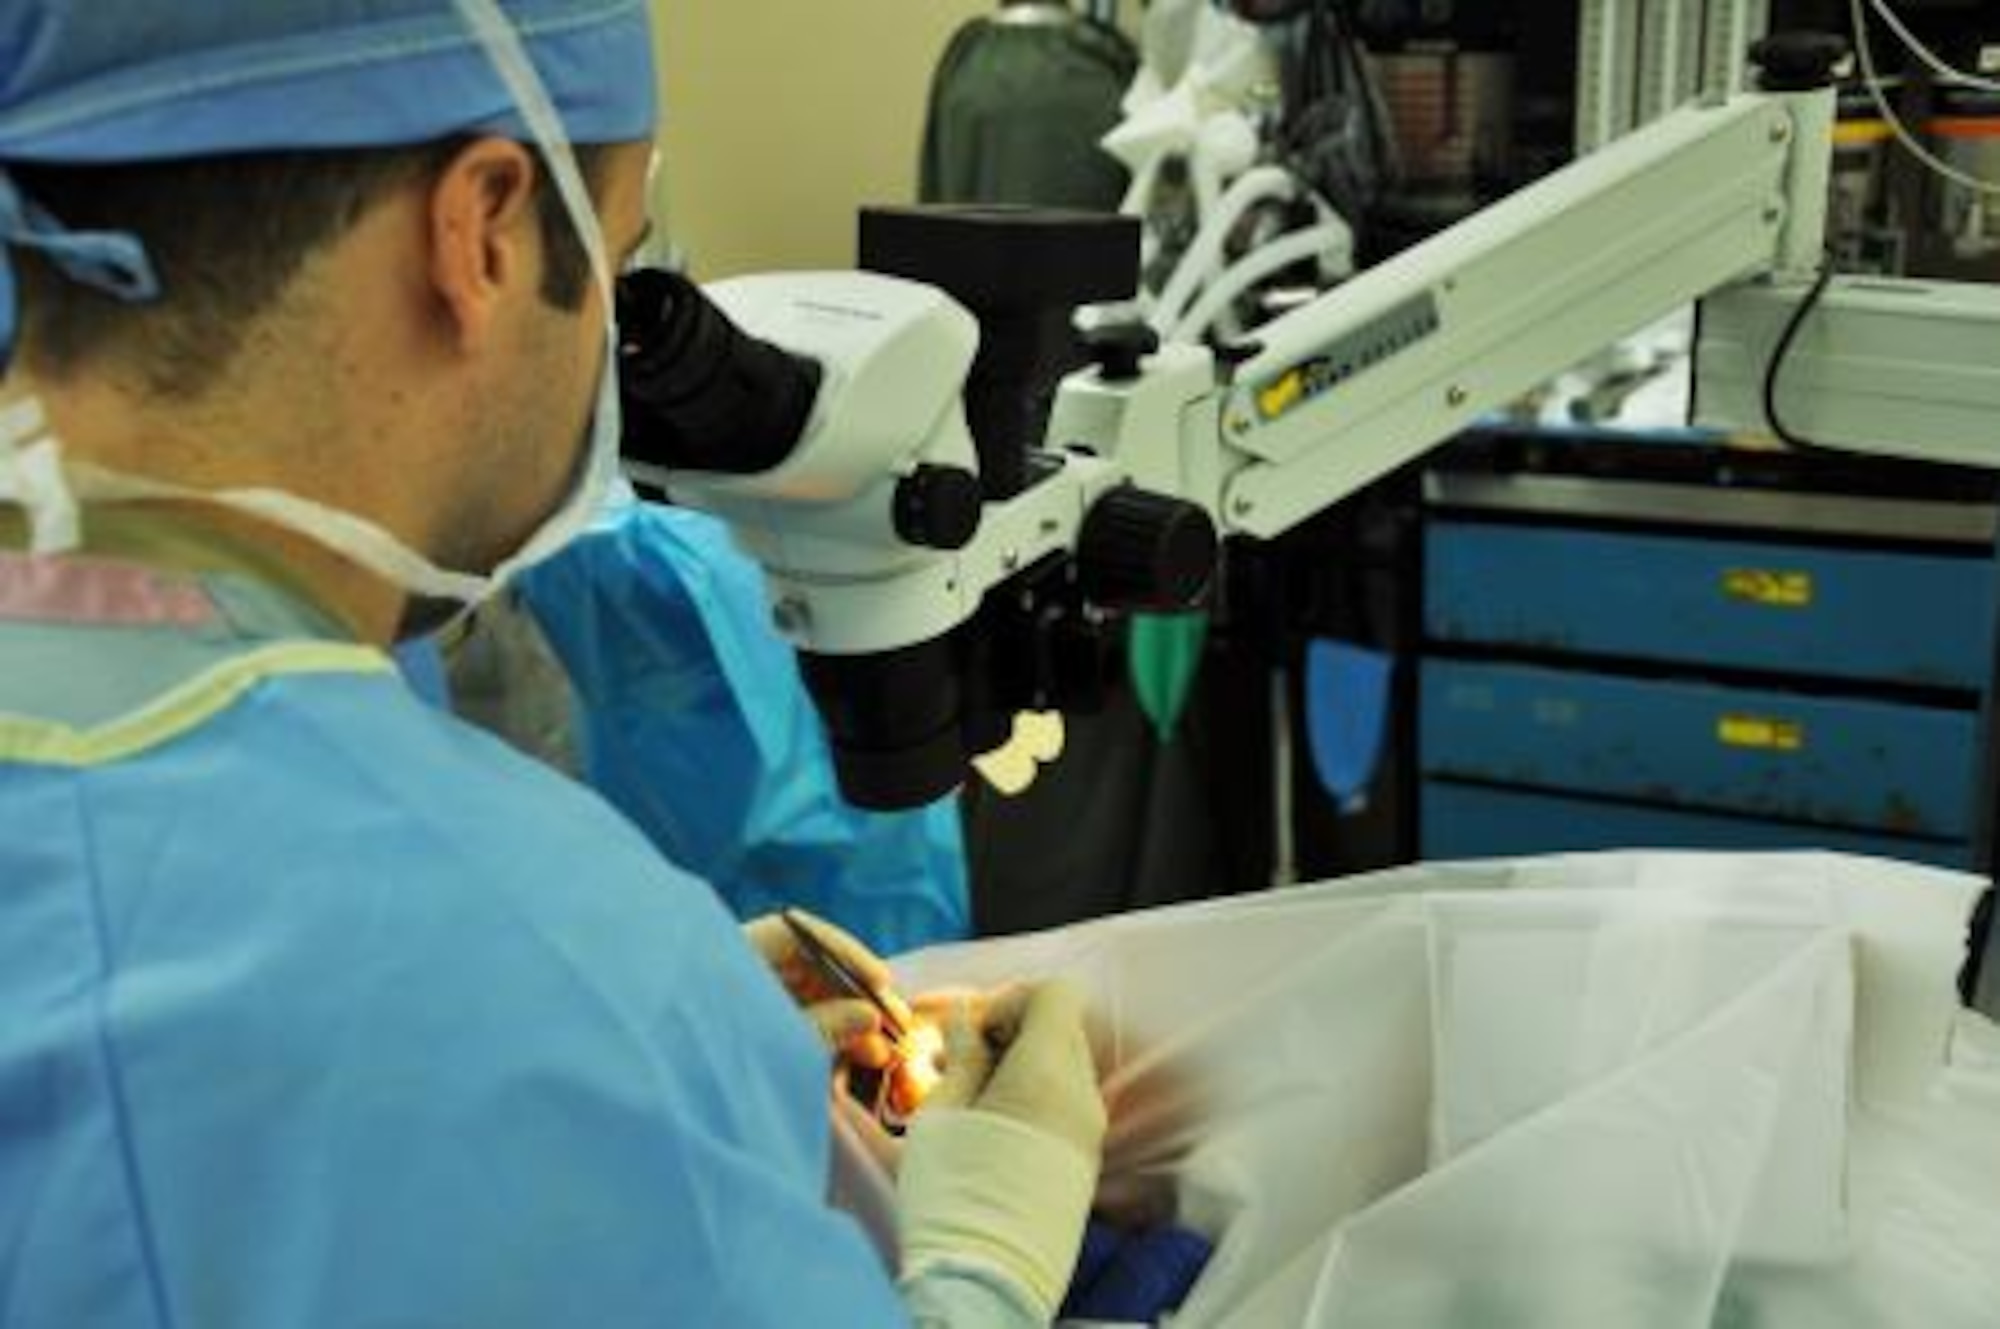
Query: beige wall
[[784, 116]]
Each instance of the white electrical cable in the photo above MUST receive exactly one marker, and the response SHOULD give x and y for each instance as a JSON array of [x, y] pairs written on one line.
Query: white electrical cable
[[1203, 261], [1915, 44], [1910, 142], [1330, 240]]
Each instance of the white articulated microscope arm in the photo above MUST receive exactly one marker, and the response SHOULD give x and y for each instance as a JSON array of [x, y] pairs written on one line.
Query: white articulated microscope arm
[[1381, 370]]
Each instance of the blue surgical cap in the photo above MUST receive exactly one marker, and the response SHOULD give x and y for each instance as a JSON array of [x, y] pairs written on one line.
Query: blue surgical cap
[[108, 81]]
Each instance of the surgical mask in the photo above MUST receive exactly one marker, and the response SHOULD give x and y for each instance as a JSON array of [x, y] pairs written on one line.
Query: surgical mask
[[53, 491]]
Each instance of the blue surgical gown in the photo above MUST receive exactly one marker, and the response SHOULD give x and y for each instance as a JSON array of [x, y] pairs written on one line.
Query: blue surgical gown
[[323, 1009], [695, 723]]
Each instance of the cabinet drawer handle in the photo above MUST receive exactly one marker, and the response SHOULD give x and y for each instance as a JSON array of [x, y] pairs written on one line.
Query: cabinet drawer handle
[[1761, 733], [1769, 588]]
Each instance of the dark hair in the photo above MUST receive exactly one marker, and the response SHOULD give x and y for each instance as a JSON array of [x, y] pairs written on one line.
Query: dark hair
[[226, 235]]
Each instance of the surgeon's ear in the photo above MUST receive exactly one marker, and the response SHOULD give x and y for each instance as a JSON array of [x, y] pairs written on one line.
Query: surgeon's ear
[[482, 235]]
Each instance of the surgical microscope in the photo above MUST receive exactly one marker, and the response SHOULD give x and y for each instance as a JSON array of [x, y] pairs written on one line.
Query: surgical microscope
[[946, 549]]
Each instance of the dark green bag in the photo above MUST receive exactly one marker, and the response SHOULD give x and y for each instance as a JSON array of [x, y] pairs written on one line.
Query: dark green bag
[[1017, 108]]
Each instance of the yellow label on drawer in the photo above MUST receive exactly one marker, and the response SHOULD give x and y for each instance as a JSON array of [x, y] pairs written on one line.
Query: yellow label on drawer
[[1761, 733], [1763, 586]]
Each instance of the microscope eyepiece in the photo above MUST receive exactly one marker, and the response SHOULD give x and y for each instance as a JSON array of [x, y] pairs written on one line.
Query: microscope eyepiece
[[699, 394]]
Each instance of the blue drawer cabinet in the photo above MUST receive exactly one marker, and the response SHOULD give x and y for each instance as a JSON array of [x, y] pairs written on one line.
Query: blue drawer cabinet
[[1694, 648], [1882, 617], [1469, 821], [1874, 766]]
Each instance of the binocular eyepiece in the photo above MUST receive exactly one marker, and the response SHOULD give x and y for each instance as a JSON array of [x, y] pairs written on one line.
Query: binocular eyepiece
[[699, 393]]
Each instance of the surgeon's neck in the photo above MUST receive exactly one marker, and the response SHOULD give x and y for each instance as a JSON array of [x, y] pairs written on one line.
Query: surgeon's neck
[[202, 446]]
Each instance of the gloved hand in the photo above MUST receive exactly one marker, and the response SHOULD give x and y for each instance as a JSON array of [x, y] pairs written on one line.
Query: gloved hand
[[1000, 1167], [851, 1027]]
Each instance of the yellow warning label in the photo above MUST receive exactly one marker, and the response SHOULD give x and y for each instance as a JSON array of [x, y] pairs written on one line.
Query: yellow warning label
[[1860, 133], [1763, 586], [1281, 395], [1761, 733]]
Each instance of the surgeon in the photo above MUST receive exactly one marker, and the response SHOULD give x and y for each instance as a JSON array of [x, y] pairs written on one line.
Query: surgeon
[[321, 1009]]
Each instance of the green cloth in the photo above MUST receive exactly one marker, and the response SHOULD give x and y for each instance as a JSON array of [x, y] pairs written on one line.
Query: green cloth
[[1166, 651], [1017, 110]]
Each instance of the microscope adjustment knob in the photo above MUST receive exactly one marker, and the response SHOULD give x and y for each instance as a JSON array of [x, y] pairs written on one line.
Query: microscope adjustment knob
[[1117, 349], [1146, 552], [937, 507]]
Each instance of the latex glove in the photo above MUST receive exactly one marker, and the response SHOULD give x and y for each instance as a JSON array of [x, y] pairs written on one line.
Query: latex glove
[[851, 1027], [999, 1169]]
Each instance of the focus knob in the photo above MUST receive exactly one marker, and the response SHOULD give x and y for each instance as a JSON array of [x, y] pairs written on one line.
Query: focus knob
[[1120, 349], [937, 507], [1146, 552]]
